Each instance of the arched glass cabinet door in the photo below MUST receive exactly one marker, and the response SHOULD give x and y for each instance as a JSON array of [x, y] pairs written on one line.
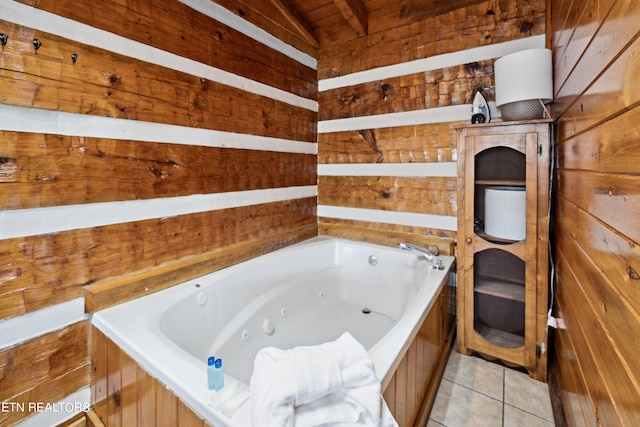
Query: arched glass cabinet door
[[500, 195], [498, 297], [501, 261]]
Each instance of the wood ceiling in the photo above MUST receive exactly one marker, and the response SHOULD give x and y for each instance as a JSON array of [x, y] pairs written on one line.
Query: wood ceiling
[[312, 24]]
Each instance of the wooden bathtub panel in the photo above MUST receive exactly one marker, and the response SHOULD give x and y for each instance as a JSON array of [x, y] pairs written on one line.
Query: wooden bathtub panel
[[99, 373], [389, 396], [166, 407], [402, 399], [134, 397], [412, 384], [146, 403], [129, 387], [114, 386], [412, 389], [187, 417]]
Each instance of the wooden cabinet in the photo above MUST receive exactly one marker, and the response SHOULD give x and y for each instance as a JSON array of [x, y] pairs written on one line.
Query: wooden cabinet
[[503, 274]]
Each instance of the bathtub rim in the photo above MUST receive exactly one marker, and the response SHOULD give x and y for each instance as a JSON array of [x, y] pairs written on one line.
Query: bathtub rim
[[184, 390], [408, 337]]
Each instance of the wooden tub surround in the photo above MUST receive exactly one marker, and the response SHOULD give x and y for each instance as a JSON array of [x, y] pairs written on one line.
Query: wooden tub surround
[[86, 419], [124, 394], [411, 391]]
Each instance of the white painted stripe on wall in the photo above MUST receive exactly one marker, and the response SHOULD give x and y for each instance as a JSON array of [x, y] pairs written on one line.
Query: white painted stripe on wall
[[451, 113], [24, 119], [44, 21], [433, 63], [30, 325], [232, 20], [29, 222], [407, 118], [439, 169], [439, 222], [59, 411]]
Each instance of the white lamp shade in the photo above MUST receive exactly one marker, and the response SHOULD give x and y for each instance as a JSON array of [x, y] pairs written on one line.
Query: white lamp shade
[[523, 76]]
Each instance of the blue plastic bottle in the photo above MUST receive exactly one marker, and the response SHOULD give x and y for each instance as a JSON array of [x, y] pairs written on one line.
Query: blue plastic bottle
[[219, 375], [211, 373]]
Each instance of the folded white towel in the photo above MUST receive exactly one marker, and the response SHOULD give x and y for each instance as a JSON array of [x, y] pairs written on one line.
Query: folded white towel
[[331, 384]]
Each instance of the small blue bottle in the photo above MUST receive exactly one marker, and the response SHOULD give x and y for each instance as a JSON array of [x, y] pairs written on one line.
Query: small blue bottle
[[218, 375], [211, 373]]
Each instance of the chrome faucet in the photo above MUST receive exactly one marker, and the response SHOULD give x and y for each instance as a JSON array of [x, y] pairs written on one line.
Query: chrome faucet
[[430, 254]]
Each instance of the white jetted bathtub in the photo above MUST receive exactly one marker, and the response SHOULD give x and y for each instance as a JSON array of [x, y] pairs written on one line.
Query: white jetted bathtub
[[305, 294]]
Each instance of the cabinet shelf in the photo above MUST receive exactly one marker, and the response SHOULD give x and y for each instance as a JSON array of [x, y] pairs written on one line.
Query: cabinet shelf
[[500, 338], [494, 239], [500, 288], [504, 182]]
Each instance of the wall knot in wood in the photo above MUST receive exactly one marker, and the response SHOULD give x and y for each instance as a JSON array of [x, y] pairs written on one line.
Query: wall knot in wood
[[370, 137]]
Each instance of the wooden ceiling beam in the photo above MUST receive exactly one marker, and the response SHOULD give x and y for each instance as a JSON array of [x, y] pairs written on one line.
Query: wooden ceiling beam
[[355, 13], [300, 26]]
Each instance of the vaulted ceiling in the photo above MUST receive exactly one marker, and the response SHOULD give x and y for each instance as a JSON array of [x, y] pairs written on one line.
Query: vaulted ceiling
[[312, 24]]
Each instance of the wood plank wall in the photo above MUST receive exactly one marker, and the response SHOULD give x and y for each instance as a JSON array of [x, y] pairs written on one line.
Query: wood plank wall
[[389, 105], [171, 135], [596, 235], [43, 370]]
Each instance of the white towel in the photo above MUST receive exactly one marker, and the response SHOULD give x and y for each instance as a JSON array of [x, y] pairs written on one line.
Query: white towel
[[331, 384]]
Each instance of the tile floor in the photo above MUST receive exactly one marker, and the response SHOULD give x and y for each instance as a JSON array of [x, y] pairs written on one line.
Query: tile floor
[[478, 393]]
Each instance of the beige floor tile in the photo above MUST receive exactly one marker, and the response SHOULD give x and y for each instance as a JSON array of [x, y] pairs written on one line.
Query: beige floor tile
[[475, 373], [527, 394], [432, 423], [514, 417], [458, 406]]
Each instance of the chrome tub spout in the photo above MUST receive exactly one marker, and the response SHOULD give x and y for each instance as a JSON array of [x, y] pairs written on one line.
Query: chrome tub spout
[[430, 254]]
